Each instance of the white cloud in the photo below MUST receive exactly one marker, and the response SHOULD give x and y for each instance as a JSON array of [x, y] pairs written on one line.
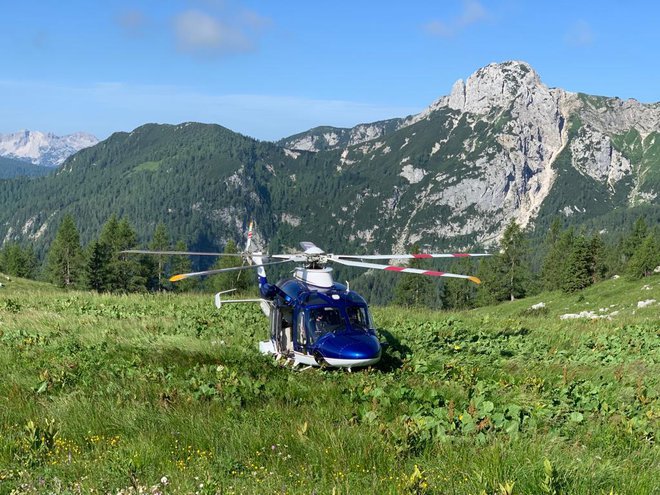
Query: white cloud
[[200, 33], [132, 22], [579, 34], [471, 13]]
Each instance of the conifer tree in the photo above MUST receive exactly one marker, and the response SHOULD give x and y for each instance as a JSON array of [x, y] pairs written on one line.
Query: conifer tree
[[576, 274], [18, 262], [160, 242], [553, 261], [97, 269], [507, 276], [634, 239], [182, 264], [597, 257], [415, 290], [125, 273], [230, 280], [645, 259], [487, 273], [459, 293], [129, 272], [65, 259]]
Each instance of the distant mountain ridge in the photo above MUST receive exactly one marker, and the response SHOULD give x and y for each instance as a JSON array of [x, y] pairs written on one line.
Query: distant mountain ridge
[[42, 148], [500, 145]]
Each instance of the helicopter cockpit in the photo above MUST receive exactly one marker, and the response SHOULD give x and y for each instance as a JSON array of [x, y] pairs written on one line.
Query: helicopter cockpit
[[318, 321]]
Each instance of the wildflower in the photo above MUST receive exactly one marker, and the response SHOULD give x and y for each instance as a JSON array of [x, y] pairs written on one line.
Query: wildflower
[[164, 480]]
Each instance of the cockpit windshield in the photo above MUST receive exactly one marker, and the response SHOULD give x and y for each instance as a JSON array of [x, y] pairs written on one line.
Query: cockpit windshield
[[322, 320]]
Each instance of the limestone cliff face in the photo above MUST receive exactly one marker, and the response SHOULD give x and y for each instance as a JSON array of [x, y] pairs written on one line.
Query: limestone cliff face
[[520, 175], [492, 150]]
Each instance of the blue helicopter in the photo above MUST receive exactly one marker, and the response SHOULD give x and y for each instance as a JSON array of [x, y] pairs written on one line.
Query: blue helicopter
[[315, 321]]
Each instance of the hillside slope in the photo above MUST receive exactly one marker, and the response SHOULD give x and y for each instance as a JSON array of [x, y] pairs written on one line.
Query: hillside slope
[[110, 392]]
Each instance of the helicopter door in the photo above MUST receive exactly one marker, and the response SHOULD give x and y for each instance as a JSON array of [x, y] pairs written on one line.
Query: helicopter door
[[301, 332], [286, 324], [276, 328], [281, 329]]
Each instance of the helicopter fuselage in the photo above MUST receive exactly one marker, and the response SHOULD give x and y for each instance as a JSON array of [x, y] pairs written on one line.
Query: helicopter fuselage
[[319, 325]]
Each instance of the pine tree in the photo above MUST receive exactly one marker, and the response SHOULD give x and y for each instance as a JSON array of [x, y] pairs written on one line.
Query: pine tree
[[182, 264], [65, 258], [415, 290], [553, 261], [160, 242], [18, 262], [597, 257], [110, 233], [229, 280], [459, 293], [97, 269], [507, 276], [634, 239], [576, 274], [129, 272], [645, 259], [125, 273]]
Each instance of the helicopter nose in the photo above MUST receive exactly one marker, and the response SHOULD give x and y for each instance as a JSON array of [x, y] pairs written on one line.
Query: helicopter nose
[[350, 347]]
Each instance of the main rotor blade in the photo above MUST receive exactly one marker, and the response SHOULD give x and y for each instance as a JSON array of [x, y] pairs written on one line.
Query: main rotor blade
[[176, 278], [298, 257], [183, 253], [409, 256], [392, 268]]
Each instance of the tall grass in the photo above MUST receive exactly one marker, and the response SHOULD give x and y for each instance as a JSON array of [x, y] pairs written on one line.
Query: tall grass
[[162, 392]]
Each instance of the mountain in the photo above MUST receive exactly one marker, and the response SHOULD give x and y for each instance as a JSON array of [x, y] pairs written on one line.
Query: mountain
[[500, 145], [40, 148], [326, 137], [11, 168]]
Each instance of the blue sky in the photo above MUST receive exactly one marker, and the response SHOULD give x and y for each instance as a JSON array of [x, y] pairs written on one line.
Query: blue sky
[[270, 69]]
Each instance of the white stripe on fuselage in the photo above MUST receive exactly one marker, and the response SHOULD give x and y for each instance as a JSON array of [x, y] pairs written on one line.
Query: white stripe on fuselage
[[309, 360]]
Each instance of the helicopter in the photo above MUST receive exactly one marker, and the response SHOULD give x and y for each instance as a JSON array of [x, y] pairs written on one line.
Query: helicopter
[[314, 320]]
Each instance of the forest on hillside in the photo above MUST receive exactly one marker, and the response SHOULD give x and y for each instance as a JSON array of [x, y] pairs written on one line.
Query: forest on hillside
[[567, 259]]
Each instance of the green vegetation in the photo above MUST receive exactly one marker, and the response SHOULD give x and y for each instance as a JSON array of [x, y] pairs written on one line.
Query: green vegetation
[[148, 166], [11, 168], [109, 392]]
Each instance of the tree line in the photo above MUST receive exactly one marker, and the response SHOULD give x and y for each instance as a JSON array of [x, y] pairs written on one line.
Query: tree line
[[572, 260], [102, 267]]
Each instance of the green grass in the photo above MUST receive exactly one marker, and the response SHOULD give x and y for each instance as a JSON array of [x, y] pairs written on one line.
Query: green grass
[[148, 166], [109, 392]]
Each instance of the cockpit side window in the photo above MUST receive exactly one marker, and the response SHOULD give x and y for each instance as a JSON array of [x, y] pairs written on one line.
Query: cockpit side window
[[359, 317]]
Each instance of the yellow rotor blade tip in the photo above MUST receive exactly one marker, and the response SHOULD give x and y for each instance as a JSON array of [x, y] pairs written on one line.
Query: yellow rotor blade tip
[[475, 280], [176, 278]]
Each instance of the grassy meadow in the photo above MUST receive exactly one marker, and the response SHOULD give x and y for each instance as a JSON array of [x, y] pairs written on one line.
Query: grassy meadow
[[162, 393]]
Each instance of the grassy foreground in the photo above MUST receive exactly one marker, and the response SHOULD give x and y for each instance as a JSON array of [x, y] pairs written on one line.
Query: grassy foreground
[[164, 394]]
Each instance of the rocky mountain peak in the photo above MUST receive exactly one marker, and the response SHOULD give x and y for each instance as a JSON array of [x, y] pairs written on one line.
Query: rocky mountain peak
[[43, 148], [497, 85]]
